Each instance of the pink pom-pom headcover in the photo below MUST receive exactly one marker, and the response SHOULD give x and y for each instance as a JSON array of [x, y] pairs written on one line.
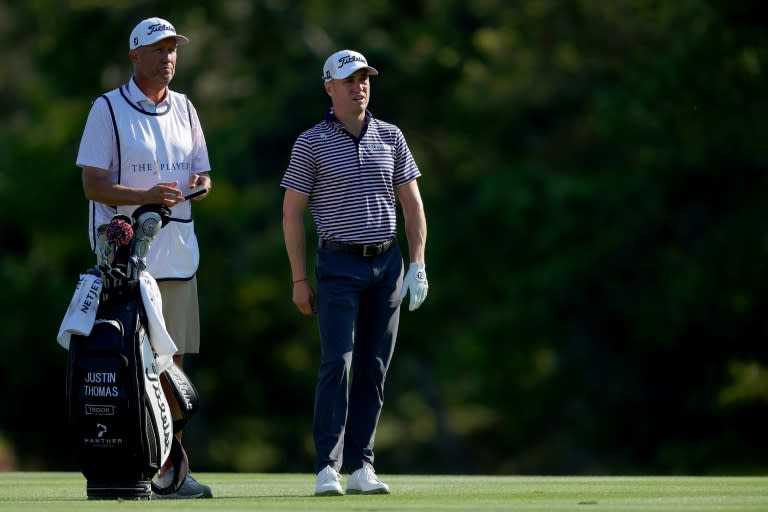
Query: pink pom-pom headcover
[[119, 232]]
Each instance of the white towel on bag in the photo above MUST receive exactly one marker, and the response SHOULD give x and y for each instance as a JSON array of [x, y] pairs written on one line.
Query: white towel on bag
[[81, 315], [81, 312], [158, 334]]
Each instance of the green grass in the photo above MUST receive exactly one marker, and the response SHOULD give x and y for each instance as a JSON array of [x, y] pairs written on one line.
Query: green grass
[[293, 492]]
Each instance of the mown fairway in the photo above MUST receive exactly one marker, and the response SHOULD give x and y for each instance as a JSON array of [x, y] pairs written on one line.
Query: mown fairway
[[292, 492]]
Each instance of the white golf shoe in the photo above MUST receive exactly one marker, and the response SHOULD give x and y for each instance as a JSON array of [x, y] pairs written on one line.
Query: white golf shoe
[[365, 481], [328, 483]]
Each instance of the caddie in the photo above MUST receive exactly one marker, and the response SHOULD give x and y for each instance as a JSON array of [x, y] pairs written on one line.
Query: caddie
[[143, 144]]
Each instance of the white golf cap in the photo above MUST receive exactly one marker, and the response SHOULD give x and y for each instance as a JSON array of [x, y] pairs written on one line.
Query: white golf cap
[[343, 63], [152, 30]]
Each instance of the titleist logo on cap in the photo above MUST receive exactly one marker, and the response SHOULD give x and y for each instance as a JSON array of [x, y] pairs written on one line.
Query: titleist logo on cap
[[349, 59], [160, 27]]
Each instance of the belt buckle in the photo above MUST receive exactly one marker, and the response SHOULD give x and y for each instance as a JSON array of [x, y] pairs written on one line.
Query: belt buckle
[[373, 248]]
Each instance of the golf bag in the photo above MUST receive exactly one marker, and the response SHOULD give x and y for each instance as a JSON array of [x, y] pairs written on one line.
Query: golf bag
[[120, 421]]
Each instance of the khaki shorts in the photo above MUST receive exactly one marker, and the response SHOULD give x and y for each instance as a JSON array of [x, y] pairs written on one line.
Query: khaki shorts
[[181, 312]]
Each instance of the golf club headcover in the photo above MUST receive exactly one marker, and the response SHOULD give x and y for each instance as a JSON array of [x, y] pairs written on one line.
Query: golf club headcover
[[163, 211], [185, 394], [120, 230], [119, 234], [147, 227], [180, 464]]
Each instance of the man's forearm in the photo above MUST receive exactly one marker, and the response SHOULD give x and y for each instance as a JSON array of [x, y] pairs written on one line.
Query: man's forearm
[[295, 245], [416, 232]]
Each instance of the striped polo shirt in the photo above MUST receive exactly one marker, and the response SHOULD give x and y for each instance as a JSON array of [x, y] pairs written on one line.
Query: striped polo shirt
[[351, 182]]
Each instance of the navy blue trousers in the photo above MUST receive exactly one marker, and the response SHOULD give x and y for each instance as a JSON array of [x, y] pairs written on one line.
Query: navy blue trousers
[[358, 312]]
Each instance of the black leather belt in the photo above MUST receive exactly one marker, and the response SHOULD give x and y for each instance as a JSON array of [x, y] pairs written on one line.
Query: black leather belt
[[359, 249]]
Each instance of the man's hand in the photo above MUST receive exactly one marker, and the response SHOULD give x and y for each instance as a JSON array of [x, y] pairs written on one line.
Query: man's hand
[[304, 296], [416, 282], [166, 193]]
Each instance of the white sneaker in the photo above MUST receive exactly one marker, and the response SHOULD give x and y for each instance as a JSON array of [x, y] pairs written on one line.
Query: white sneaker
[[365, 481], [328, 483]]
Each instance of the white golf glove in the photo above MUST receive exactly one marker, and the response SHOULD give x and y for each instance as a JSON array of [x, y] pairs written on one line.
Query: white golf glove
[[416, 282]]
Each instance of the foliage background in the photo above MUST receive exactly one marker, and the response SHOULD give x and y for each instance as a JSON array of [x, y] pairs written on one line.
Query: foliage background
[[595, 179]]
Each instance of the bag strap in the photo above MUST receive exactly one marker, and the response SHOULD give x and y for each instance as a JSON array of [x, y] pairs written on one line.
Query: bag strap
[[180, 464]]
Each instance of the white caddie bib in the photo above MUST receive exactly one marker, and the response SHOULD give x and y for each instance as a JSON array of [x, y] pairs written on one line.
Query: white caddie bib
[[155, 148]]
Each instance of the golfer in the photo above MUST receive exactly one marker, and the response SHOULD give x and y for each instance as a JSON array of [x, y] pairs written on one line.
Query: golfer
[[350, 169]]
